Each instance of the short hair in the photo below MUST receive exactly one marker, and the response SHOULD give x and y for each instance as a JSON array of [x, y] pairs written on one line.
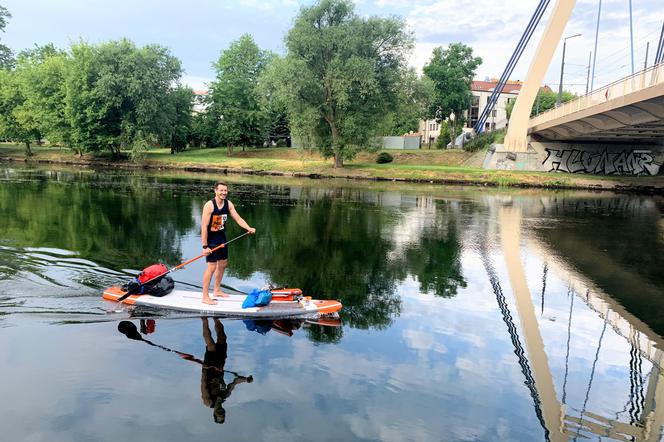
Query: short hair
[[219, 183]]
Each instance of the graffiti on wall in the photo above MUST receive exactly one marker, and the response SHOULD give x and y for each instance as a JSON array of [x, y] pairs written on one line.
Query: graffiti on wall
[[625, 162]]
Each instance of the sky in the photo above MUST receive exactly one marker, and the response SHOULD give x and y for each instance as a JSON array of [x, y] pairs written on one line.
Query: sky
[[198, 30]]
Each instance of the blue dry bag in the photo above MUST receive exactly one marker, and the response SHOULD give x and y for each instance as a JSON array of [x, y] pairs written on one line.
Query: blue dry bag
[[259, 326], [257, 298]]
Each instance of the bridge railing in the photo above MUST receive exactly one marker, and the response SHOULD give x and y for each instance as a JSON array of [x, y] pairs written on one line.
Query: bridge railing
[[638, 81]]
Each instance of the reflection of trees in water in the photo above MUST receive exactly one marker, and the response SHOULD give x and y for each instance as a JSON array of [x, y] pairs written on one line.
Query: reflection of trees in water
[[335, 245], [332, 250], [124, 226], [322, 334], [436, 258], [331, 242]]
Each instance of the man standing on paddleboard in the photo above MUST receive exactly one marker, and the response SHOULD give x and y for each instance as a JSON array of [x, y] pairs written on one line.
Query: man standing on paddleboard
[[213, 233]]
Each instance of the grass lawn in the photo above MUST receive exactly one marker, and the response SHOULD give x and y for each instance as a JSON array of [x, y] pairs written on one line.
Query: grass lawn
[[421, 165]]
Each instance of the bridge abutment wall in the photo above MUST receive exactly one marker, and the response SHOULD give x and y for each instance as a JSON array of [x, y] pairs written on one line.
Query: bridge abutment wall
[[575, 157]]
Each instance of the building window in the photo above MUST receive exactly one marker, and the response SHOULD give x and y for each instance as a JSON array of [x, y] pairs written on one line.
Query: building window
[[493, 113]]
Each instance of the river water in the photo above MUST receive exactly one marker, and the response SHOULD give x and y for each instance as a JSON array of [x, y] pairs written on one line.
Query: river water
[[471, 314]]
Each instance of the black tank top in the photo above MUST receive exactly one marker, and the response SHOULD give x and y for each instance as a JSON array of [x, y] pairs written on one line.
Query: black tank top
[[216, 225]]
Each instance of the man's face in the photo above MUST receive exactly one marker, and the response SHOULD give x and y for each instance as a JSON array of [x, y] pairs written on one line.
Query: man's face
[[221, 192]]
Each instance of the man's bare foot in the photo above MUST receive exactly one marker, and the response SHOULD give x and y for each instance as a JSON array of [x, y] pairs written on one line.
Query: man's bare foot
[[207, 300], [220, 295]]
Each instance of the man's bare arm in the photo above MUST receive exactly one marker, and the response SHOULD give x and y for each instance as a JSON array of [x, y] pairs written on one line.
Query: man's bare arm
[[205, 221], [238, 219]]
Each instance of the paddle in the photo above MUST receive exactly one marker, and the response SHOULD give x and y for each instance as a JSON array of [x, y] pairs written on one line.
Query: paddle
[[129, 329], [179, 266]]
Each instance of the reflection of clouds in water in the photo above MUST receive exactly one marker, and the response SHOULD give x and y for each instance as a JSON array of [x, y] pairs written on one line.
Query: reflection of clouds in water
[[301, 389], [423, 341]]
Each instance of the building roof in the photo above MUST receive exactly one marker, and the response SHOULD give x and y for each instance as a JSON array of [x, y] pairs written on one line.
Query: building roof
[[511, 87], [200, 92]]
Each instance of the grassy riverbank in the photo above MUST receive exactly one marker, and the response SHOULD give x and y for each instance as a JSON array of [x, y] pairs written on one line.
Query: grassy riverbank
[[438, 166]]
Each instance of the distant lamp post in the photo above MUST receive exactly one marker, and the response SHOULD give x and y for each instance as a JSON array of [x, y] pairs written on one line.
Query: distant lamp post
[[452, 118], [562, 69]]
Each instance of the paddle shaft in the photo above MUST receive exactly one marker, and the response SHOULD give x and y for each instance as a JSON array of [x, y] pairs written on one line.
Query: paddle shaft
[[189, 357], [179, 266]]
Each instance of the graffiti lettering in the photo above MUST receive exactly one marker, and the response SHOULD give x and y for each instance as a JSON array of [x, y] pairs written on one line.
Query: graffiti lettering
[[626, 162]]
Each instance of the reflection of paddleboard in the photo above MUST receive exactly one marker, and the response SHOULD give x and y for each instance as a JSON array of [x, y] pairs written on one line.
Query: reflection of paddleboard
[[281, 306]]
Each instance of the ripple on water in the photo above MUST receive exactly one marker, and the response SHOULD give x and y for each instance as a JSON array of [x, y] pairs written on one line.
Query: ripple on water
[[52, 282]]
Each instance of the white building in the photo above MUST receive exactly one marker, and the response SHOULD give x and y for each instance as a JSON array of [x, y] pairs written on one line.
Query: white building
[[200, 105], [482, 90]]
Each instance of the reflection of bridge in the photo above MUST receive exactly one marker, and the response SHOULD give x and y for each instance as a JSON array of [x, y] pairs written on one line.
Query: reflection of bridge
[[617, 129], [559, 425]]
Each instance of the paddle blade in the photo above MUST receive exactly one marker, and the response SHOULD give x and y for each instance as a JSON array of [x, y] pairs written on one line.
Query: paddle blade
[[128, 329]]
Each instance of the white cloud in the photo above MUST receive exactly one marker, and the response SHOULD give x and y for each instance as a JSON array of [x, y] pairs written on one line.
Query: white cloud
[[196, 82]]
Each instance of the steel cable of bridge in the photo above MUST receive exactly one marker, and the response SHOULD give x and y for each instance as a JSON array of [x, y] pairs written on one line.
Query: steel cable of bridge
[[519, 351], [621, 53], [569, 335], [544, 272], [514, 59], [636, 396], [660, 47], [590, 382], [621, 50]]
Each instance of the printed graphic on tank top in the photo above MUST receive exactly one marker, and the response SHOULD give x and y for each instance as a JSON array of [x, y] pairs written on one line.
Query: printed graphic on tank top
[[216, 227], [218, 222]]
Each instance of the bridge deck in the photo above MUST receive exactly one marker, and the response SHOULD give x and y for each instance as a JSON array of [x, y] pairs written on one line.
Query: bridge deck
[[631, 109]]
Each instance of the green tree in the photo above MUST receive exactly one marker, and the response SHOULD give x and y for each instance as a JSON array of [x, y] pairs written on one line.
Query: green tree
[[451, 70], [41, 74], [181, 103], [274, 105], [6, 54], [278, 123], [16, 122], [414, 100], [546, 100], [341, 75], [119, 96], [235, 103]]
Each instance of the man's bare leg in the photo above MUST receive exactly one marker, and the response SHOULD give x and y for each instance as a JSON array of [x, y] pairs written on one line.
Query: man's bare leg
[[218, 276], [207, 277], [207, 336]]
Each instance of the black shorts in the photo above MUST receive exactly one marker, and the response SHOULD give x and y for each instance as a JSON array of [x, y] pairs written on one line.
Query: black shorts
[[217, 255]]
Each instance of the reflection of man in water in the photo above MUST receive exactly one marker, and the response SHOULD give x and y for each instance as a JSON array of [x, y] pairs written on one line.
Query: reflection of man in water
[[214, 390]]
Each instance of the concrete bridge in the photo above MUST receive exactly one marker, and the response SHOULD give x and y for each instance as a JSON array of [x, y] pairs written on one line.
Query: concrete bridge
[[617, 129], [630, 110]]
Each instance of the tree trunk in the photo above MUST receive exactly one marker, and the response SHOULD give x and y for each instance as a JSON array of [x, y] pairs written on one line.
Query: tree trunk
[[338, 159], [28, 151]]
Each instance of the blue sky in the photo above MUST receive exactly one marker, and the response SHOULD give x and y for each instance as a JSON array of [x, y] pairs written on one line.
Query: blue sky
[[197, 31]]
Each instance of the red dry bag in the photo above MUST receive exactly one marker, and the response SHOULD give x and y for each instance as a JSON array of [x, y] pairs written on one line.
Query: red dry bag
[[152, 272]]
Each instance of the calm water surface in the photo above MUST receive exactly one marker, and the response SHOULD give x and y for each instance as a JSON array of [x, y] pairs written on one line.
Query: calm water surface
[[470, 314]]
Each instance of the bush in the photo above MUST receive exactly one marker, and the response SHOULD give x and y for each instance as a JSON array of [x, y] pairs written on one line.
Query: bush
[[443, 139], [383, 158], [484, 140]]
